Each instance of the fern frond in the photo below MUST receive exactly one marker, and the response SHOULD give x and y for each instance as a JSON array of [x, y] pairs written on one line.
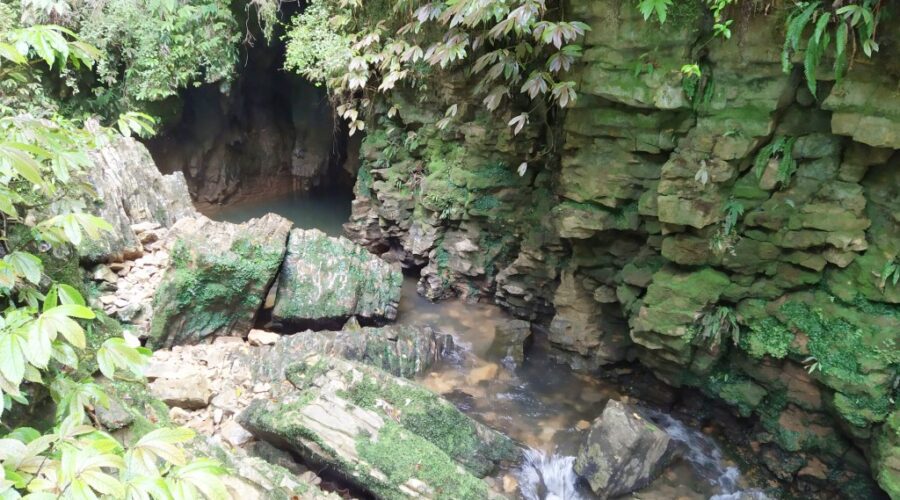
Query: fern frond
[[821, 24], [796, 23], [810, 64], [762, 159]]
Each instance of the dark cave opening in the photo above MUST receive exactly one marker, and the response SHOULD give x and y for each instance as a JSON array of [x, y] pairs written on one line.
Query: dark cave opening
[[268, 134]]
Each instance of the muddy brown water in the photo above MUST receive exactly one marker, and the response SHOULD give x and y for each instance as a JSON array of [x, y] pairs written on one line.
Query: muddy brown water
[[541, 403]]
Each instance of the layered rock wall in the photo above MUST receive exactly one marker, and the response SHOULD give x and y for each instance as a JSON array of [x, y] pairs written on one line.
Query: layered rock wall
[[729, 232]]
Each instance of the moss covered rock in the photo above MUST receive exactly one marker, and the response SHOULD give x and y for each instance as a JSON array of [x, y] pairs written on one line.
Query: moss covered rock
[[218, 276], [327, 280], [886, 455], [381, 433]]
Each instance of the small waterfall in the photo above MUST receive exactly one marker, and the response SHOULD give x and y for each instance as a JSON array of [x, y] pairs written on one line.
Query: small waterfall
[[547, 477], [706, 458]]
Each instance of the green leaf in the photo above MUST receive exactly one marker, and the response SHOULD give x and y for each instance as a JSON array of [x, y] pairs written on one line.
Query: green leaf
[[69, 295], [12, 358], [27, 265], [22, 162], [74, 311], [10, 53]]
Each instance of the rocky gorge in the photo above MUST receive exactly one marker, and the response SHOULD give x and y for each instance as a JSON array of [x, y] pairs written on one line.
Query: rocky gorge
[[682, 285]]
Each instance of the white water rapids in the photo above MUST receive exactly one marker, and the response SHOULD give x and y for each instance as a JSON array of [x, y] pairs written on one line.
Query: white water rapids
[[545, 476]]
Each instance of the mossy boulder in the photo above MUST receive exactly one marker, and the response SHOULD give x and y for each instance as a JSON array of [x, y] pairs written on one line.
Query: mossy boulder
[[886, 455], [325, 281], [218, 276], [381, 433]]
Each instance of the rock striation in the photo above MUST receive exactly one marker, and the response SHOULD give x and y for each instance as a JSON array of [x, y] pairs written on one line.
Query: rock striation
[[129, 191], [325, 281], [380, 433], [730, 233]]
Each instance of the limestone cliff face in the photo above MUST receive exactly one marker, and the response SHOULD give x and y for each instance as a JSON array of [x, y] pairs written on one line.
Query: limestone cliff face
[[728, 233]]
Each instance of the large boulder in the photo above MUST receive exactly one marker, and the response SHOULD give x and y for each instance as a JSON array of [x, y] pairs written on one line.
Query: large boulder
[[381, 433], [623, 452], [401, 350], [130, 190], [324, 281], [217, 278]]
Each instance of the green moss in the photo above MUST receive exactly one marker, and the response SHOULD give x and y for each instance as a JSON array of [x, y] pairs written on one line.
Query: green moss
[[364, 182], [767, 337], [350, 281], [833, 342], [439, 422], [209, 292], [735, 389], [862, 409], [403, 456]]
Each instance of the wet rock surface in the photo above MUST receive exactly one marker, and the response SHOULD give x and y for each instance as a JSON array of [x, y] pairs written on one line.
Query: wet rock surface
[[325, 281], [623, 452], [511, 340], [217, 279]]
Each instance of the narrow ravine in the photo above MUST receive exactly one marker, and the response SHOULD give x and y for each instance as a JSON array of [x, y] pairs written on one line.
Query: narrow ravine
[[537, 401]]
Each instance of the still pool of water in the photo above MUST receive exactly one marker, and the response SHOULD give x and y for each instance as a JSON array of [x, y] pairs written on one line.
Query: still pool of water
[[541, 404], [324, 210]]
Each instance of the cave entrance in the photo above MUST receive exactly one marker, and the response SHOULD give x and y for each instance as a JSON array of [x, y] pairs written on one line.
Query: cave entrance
[[266, 142]]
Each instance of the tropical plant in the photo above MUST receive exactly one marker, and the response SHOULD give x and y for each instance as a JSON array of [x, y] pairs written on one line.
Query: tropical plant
[[512, 47], [890, 273], [852, 25], [726, 236], [782, 150], [42, 329], [715, 325]]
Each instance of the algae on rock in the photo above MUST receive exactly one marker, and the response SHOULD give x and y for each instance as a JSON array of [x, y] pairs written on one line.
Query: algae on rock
[[327, 280], [217, 279]]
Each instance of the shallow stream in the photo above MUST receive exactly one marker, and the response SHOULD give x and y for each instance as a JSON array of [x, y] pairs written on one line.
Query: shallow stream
[[541, 403]]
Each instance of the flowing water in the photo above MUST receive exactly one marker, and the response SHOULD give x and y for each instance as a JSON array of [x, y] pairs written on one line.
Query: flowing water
[[541, 403]]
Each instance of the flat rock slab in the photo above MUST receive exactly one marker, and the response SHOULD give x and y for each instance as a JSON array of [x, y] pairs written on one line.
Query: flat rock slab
[[382, 433], [217, 278], [403, 351], [190, 392], [623, 452], [324, 281]]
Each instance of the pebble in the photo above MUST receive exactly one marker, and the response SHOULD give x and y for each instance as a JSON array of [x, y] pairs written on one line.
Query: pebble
[[234, 434], [510, 484], [262, 337]]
